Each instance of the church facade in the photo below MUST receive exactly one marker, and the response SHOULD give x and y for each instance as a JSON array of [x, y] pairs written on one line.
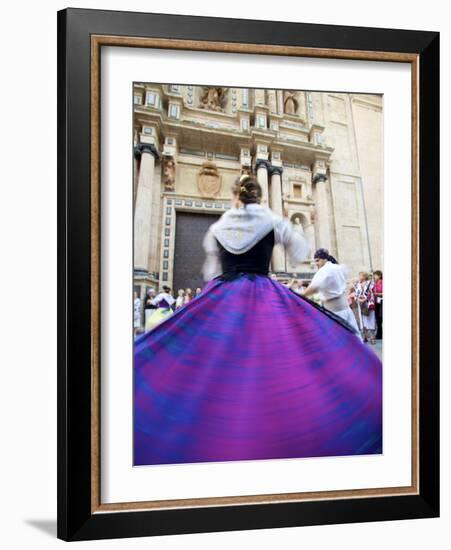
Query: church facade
[[318, 157]]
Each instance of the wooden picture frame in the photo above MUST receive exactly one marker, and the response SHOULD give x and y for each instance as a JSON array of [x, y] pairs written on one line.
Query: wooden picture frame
[[81, 35]]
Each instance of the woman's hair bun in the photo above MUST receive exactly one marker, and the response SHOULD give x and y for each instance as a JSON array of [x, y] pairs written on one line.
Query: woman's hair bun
[[245, 177], [248, 189]]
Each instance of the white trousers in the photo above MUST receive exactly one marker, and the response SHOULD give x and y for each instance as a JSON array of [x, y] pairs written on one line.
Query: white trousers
[[349, 317]]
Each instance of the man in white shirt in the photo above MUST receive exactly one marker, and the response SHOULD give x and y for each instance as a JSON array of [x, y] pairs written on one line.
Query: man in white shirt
[[330, 283]]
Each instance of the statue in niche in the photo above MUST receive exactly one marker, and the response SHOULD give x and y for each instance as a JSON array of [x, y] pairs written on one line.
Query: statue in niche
[[296, 220], [169, 174], [290, 102], [213, 99], [297, 223]]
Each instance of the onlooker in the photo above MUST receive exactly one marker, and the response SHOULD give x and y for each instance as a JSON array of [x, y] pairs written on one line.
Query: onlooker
[[180, 299], [149, 307], [378, 292], [198, 291], [294, 286], [365, 296], [188, 296], [303, 286], [136, 313], [354, 304]]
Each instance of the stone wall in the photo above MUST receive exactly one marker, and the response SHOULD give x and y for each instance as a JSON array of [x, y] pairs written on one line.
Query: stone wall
[[318, 157]]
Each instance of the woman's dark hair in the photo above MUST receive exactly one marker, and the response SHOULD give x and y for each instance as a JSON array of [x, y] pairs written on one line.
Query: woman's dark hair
[[323, 254], [378, 273], [166, 289], [248, 189]]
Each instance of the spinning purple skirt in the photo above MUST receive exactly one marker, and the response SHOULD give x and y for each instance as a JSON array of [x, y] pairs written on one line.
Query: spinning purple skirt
[[249, 370]]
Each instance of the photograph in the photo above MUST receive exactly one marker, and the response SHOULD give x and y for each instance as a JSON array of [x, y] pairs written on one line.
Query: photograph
[[258, 261], [245, 216]]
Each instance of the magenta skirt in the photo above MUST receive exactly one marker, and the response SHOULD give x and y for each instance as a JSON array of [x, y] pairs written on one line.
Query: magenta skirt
[[249, 370]]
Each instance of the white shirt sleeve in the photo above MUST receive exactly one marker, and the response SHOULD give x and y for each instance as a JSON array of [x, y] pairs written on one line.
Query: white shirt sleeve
[[319, 280], [156, 300], [294, 242], [212, 265]]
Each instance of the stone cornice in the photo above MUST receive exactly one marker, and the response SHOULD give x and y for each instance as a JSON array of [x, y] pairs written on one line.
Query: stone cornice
[[208, 112], [264, 135], [298, 202], [366, 102]]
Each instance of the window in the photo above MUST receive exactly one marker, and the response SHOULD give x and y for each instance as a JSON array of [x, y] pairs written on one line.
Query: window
[[261, 121], [152, 99], [245, 97], [174, 110], [244, 124], [297, 191]]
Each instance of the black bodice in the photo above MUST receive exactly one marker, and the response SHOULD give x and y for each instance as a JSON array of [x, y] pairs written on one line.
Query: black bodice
[[255, 260]]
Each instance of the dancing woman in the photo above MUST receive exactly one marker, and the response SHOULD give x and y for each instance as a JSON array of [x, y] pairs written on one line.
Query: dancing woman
[[250, 369], [330, 283], [165, 304]]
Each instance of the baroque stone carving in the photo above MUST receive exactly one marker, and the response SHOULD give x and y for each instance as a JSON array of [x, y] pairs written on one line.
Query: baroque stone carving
[[209, 180], [169, 174], [290, 103], [213, 99]]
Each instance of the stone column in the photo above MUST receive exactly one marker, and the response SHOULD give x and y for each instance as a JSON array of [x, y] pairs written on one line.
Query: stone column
[[135, 176], [272, 101], [322, 219], [259, 97], [143, 205], [280, 102], [278, 257], [262, 177]]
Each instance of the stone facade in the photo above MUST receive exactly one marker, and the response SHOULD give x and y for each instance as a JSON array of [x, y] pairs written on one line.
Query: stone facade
[[318, 157]]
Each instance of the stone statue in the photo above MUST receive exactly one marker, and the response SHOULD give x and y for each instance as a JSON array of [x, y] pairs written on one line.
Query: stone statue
[[298, 225], [213, 99], [169, 174], [290, 103]]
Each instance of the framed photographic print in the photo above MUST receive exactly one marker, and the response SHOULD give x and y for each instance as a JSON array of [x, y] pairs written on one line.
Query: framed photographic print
[[248, 274]]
